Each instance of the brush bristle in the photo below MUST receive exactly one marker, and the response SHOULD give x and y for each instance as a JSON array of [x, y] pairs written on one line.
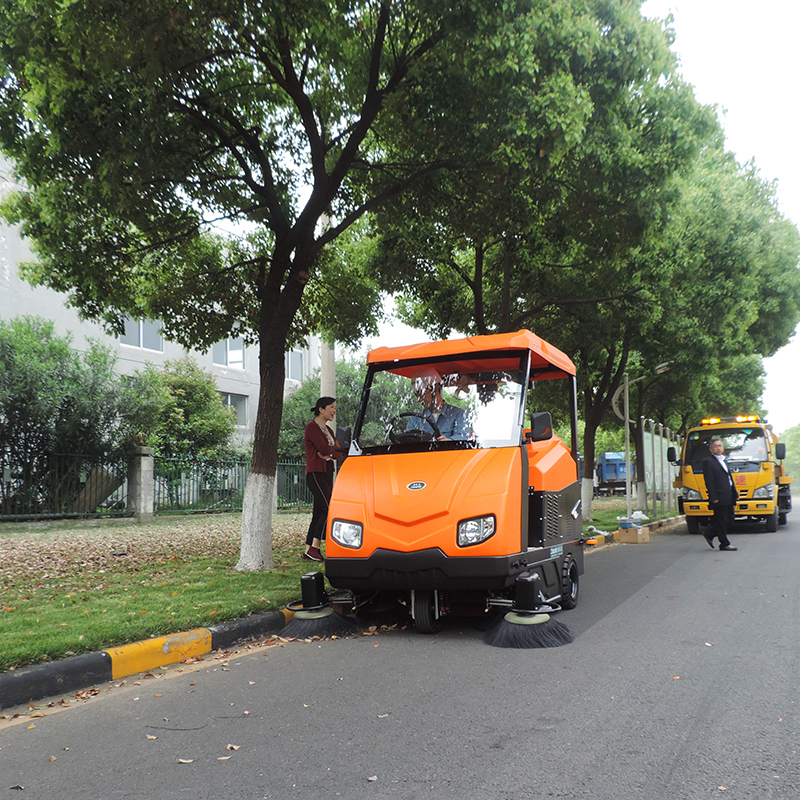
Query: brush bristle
[[547, 633], [319, 624]]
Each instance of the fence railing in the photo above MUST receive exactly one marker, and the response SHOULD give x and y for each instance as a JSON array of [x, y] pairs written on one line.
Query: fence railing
[[292, 489], [185, 485], [63, 486], [192, 486]]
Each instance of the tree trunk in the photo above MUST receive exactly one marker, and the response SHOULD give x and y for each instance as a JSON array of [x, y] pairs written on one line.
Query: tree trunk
[[276, 315], [587, 484]]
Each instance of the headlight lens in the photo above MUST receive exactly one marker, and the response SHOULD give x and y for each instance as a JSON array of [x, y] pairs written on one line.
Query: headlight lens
[[692, 494], [476, 530], [347, 534], [764, 492]]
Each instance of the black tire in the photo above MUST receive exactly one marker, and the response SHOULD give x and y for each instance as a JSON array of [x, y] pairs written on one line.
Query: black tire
[[570, 584], [425, 618], [782, 518], [693, 524], [772, 522]]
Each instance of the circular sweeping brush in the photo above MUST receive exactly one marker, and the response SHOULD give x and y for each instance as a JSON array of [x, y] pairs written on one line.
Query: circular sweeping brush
[[320, 623], [526, 630]]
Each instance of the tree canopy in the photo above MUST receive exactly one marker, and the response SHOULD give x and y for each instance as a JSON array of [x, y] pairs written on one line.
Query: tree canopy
[[145, 131]]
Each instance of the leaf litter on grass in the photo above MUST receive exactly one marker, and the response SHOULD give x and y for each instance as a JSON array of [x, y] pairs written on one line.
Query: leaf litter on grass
[[102, 572]]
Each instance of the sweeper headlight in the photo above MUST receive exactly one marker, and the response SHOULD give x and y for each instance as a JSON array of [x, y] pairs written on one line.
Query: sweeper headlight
[[347, 534], [692, 494], [764, 492], [476, 530]]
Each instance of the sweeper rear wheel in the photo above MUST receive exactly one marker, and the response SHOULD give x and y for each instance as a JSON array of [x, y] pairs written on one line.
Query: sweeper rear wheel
[[424, 608], [570, 584]]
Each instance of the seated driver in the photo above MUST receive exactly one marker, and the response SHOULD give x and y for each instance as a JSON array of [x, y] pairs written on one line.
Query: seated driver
[[450, 420]]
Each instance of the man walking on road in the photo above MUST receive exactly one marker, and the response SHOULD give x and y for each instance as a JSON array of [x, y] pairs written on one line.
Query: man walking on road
[[722, 495]]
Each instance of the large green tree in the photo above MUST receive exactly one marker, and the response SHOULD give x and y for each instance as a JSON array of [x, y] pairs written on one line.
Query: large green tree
[[144, 130]]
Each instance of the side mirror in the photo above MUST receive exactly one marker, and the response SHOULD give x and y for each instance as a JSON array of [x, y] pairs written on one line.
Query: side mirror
[[672, 457], [541, 427], [780, 451], [343, 439]]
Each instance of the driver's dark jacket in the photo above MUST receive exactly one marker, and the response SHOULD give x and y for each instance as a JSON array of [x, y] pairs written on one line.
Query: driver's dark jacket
[[452, 422]]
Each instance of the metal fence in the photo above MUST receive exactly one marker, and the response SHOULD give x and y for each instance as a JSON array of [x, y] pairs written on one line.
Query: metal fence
[[63, 486], [292, 489], [185, 485], [192, 486]]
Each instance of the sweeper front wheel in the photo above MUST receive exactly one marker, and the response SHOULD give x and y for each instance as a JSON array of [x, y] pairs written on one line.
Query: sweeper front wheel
[[425, 612]]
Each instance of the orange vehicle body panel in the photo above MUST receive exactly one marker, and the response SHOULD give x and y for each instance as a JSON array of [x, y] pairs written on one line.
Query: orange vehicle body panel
[[459, 484], [551, 466]]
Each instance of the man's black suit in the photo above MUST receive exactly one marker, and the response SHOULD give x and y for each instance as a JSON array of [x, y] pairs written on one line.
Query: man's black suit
[[722, 497]]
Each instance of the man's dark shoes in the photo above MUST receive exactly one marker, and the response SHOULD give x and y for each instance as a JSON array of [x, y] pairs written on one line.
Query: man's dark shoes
[[728, 547], [709, 539]]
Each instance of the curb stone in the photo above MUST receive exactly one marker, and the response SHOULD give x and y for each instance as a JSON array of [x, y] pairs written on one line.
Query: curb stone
[[28, 684]]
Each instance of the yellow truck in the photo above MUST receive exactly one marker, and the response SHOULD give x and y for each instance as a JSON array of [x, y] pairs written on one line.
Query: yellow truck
[[755, 459]]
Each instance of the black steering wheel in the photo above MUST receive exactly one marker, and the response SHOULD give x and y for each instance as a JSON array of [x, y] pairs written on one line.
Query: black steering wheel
[[415, 434]]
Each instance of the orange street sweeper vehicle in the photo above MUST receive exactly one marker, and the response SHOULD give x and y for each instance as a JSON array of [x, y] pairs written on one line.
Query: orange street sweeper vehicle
[[454, 498]]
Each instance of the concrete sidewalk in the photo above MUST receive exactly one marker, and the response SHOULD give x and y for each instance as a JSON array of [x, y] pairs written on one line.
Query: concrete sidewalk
[[29, 684]]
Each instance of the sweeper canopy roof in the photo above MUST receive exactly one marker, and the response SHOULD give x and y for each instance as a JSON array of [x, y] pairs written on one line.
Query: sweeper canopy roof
[[463, 355]]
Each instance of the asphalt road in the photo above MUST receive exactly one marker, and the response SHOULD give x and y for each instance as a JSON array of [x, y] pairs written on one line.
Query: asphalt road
[[681, 683]]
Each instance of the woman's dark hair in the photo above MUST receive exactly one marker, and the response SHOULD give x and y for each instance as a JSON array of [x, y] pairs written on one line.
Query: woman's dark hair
[[323, 402]]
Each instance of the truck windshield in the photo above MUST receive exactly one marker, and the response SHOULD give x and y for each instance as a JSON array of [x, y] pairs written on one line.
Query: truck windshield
[[449, 404], [742, 445]]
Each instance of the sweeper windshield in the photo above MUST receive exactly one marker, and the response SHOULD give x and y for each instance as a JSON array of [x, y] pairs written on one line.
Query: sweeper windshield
[[448, 403]]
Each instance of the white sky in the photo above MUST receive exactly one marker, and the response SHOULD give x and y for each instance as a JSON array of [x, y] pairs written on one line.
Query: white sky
[[743, 58]]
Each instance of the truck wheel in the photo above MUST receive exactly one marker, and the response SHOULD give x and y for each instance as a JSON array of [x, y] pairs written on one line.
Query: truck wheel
[[425, 612], [772, 522], [693, 524], [570, 583], [782, 518]]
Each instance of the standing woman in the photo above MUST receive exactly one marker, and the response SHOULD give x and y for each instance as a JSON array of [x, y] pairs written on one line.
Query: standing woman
[[320, 453]]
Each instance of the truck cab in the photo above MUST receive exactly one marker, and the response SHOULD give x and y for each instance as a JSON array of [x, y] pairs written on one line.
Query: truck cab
[[452, 490], [755, 460]]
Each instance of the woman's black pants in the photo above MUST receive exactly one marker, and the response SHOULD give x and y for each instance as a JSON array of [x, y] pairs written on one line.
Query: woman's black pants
[[320, 484]]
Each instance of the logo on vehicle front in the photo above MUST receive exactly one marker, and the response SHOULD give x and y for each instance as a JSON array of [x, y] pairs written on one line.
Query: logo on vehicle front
[[415, 486]]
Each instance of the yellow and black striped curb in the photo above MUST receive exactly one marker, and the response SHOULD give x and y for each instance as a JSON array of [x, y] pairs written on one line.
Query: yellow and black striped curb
[[71, 674]]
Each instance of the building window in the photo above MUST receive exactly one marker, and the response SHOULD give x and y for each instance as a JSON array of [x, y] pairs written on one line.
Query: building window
[[238, 402], [229, 353], [295, 363], [142, 333]]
